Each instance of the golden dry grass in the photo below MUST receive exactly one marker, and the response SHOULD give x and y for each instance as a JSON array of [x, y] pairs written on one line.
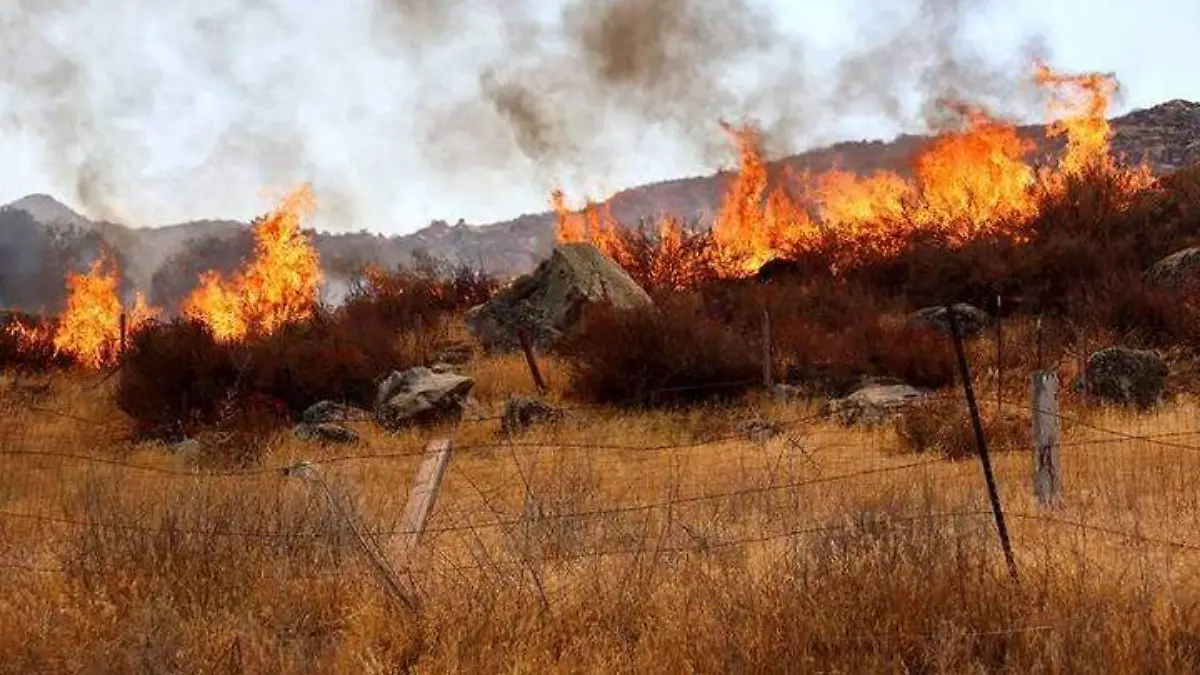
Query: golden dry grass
[[592, 546]]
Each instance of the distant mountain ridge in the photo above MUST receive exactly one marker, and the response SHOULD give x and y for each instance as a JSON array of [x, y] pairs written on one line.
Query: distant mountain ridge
[[1166, 136]]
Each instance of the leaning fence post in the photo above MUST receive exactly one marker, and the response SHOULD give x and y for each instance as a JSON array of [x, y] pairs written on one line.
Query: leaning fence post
[[1047, 477], [981, 441], [527, 347], [424, 493]]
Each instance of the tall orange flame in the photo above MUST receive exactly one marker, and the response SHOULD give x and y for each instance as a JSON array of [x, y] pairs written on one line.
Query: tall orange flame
[[89, 329], [280, 284], [965, 184]]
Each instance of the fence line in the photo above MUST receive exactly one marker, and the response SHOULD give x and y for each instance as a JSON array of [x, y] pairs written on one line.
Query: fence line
[[708, 546]]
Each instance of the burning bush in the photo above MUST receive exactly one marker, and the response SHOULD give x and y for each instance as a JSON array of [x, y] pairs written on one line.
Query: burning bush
[[674, 353], [183, 376], [427, 291], [27, 344]]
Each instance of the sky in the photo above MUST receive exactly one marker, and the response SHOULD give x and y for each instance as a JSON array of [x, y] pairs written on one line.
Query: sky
[[399, 112]]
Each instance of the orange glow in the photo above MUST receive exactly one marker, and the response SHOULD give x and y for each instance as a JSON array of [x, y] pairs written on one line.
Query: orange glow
[[89, 329], [976, 181], [280, 284]]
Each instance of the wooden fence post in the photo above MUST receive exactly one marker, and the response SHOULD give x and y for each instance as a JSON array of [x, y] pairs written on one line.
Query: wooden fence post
[[768, 367], [424, 493], [981, 441], [124, 333], [527, 347], [1047, 477]]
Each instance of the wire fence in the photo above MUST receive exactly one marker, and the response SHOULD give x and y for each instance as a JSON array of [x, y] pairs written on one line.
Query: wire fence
[[704, 493]]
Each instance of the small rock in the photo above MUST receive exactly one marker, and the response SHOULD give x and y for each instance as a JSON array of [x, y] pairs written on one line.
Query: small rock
[[1127, 377], [303, 470], [872, 404], [759, 430], [419, 396], [972, 321], [325, 433], [442, 368], [522, 412], [323, 412]]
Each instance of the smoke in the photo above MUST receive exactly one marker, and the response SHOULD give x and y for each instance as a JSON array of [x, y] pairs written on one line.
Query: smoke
[[565, 89], [149, 112]]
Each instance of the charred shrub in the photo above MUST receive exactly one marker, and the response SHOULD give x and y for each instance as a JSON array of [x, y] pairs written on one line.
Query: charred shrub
[[425, 293], [675, 353], [175, 378], [327, 357]]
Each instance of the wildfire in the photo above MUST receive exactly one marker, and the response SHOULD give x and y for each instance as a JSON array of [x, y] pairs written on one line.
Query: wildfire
[[280, 284], [976, 181], [90, 328]]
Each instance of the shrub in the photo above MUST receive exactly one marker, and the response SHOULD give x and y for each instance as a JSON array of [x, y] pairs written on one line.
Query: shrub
[[175, 378], [942, 424], [328, 357], [427, 291], [827, 334], [671, 354], [27, 344]]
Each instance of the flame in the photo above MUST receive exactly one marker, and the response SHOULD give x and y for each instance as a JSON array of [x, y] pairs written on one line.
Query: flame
[[280, 284], [976, 181], [31, 339], [89, 329], [1078, 104]]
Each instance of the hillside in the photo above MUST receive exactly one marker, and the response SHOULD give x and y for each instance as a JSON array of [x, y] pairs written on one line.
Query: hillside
[[1166, 136]]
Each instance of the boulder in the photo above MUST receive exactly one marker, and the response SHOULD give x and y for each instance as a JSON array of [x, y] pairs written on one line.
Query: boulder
[[1175, 270], [550, 301], [972, 321], [872, 404], [327, 412], [522, 412], [419, 396], [325, 432], [1128, 377]]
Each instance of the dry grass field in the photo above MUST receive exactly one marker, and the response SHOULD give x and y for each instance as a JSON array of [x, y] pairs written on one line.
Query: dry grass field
[[609, 542]]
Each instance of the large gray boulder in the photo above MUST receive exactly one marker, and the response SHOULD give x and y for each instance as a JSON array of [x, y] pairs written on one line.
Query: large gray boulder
[[1176, 270], [972, 321], [873, 403], [1127, 377], [420, 396], [549, 302]]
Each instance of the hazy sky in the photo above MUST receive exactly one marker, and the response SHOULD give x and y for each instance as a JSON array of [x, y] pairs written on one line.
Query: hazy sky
[[401, 111]]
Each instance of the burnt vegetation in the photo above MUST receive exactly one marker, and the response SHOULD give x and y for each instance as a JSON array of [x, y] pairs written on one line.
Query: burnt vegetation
[[177, 378], [1080, 270]]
